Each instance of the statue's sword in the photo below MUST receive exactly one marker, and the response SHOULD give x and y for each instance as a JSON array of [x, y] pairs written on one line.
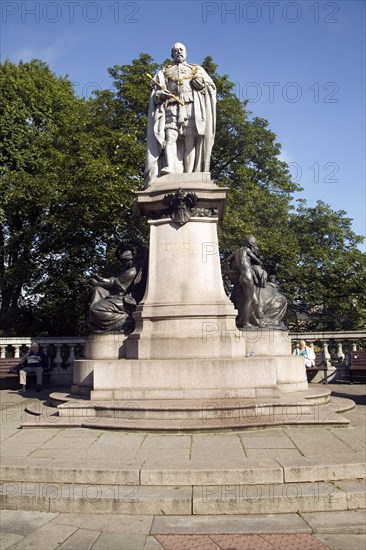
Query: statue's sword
[[165, 89]]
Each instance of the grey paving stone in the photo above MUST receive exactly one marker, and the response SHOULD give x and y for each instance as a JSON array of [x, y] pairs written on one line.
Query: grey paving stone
[[348, 521], [155, 447], [47, 537], [85, 521], [79, 432], [16, 450], [119, 541], [218, 524], [23, 522], [272, 453], [8, 539], [55, 453], [209, 446], [277, 441], [312, 441], [343, 542], [38, 436], [354, 437], [129, 524], [67, 443], [82, 539], [116, 446], [152, 544]]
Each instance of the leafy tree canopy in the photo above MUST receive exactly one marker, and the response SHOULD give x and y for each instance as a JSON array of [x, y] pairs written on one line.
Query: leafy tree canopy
[[68, 172]]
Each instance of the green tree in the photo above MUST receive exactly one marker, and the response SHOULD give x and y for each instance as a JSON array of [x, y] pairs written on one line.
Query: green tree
[[328, 282], [69, 171], [67, 182]]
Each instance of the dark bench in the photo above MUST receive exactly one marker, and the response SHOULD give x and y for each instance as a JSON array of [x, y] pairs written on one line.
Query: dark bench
[[356, 364], [10, 380], [321, 364]]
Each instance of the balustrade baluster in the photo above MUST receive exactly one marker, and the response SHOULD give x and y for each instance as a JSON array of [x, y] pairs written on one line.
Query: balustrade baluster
[[326, 353], [16, 351], [58, 358], [340, 353], [71, 357], [3, 352]]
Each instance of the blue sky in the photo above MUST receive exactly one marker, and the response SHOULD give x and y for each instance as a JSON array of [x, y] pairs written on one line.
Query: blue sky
[[301, 64]]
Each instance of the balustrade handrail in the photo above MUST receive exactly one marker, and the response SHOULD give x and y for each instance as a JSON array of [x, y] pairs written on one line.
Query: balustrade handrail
[[324, 337], [313, 336]]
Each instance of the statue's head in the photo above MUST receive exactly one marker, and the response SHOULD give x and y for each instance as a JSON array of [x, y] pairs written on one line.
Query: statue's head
[[124, 253], [179, 52], [251, 242]]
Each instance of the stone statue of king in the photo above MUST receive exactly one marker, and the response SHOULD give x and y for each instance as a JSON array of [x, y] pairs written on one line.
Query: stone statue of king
[[181, 119]]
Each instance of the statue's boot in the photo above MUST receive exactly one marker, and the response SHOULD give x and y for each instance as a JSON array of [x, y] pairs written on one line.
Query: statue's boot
[[170, 155]]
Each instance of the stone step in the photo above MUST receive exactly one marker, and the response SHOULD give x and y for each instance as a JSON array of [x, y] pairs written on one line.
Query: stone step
[[105, 499], [312, 395], [162, 417], [134, 499], [174, 471]]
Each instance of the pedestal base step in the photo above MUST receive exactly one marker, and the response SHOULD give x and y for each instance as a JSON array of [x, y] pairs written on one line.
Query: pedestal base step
[[312, 407]]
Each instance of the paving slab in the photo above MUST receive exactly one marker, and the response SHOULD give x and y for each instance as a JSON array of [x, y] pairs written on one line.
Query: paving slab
[[129, 524], [8, 539], [313, 440], [47, 537], [23, 522], [161, 446], [348, 521], [82, 539], [241, 542], [276, 454], [152, 543], [208, 446], [343, 542], [267, 440], [218, 524], [354, 437], [96, 522], [118, 541]]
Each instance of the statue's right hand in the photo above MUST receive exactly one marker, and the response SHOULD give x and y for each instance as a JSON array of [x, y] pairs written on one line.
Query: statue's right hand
[[160, 96]]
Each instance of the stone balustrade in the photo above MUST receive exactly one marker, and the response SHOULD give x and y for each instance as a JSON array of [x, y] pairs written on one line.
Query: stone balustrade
[[63, 350], [335, 345]]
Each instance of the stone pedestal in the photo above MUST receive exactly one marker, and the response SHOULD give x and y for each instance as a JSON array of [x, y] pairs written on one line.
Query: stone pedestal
[[185, 312], [186, 344]]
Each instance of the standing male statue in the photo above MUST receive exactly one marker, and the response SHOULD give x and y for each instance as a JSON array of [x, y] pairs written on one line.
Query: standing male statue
[[181, 119]]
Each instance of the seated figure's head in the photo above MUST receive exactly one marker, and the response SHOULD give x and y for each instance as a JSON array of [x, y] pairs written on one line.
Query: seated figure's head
[[35, 346], [124, 253]]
